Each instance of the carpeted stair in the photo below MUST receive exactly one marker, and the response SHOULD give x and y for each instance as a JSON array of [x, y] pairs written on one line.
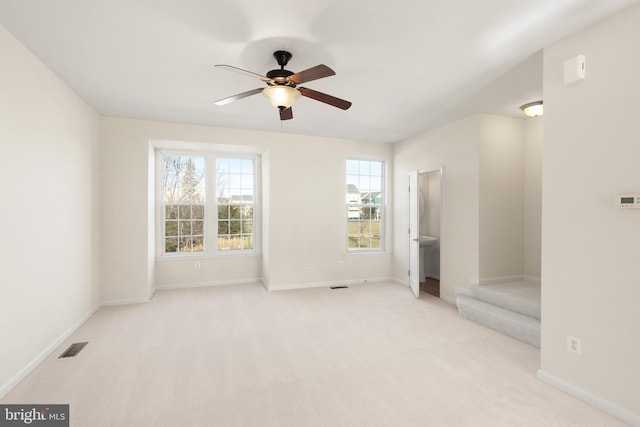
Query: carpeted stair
[[512, 308]]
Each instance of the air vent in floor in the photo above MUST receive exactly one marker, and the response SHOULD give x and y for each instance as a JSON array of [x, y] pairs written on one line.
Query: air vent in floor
[[339, 287], [73, 350]]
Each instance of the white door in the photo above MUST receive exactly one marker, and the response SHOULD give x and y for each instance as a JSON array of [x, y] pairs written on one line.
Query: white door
[[414, 234]]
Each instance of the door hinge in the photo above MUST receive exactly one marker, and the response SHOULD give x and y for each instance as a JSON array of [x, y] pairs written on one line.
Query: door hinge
[[408, 272]]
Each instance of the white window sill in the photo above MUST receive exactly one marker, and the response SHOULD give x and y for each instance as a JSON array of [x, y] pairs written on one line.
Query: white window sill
[[219, 255], [366, 252]]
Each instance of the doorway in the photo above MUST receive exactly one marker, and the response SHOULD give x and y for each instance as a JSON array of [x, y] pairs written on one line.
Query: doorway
[[425, 230]]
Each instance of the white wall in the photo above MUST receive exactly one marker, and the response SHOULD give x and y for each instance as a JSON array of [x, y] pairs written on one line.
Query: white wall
[[501, 196], [456, 147], [304, 236], [307, 227], [532, 196], [483, 198], [48, 187], [590, 247], [124, 166]]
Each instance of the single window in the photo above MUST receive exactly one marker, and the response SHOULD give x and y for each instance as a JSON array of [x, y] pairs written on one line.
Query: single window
[[365, 206], [183, 185], [235, 198]]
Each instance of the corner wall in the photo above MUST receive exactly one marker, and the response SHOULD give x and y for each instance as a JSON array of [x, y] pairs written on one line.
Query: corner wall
[[456, 148], [501, 200], [49, 249], [483, 198], [532, 196], [304, 226], [590, 285]]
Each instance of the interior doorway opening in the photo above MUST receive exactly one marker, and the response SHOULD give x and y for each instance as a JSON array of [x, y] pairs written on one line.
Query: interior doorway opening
[[425, 230]]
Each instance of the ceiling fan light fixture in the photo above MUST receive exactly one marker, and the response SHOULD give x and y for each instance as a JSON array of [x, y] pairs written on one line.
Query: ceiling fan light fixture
[[533, 109], [282, 86], [281, 96]]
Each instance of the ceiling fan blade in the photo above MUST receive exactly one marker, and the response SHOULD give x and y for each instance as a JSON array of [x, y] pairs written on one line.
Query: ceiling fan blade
[[241, 71], [286, 114], [230, 99], [313, 73], [323, 97]]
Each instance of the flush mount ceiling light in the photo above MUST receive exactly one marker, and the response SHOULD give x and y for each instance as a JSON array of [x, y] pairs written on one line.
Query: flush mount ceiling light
[[532, 109]]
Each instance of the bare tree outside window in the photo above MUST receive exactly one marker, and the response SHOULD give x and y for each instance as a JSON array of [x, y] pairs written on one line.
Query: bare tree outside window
[[183, 202]]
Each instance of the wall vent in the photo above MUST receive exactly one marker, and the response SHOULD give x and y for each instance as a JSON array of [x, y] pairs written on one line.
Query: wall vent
[[73, 350]]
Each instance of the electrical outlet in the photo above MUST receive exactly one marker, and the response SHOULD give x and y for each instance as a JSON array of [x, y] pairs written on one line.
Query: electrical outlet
[[196, 265], [574, 345], [340, 263]]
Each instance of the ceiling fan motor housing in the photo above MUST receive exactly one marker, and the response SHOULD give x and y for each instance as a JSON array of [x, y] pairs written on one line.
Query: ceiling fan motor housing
[[280, 77]]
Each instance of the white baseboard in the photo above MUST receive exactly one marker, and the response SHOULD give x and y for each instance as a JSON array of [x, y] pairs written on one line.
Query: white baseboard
[[207, 284], [448, 299], [272, 287], [22, 373], [506, 279], [124, 301], [590, 398], [26, 370], [402, 282]]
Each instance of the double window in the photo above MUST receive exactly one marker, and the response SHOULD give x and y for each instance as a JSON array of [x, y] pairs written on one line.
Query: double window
[[208, 203], [365, 204]]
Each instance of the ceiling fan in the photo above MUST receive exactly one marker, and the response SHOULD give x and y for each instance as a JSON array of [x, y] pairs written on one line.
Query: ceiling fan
[[282, 84]]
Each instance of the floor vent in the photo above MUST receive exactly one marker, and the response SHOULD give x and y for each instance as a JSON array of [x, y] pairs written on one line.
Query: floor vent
[[73, 350], [339, 287]]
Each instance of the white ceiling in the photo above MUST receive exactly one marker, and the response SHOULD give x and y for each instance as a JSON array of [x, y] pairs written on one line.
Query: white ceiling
[[407, 66]]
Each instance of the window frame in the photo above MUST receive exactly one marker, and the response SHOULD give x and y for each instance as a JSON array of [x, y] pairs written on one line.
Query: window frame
[[381, 206], [241, 203], [210, 205]]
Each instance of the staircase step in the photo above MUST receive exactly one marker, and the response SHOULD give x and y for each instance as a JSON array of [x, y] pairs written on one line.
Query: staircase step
[[522, 297], [515, 325]]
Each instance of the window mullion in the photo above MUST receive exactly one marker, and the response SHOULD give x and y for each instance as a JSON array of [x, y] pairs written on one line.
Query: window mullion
[[212, 206]]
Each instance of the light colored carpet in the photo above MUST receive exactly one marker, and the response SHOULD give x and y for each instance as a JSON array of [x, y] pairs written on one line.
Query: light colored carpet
[[369, 355], [520, 296]]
